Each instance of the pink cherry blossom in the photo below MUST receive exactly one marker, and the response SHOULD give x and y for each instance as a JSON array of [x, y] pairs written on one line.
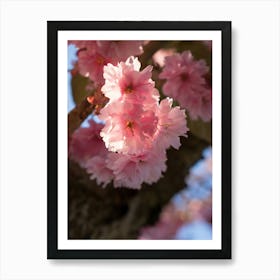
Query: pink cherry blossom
[[98, 170], [200, 105], [86, 143], [90, 60], [91, 64], [125, 82], [133, 170], [120, 50], [116, 50], [186, 70], [171, 124], [93, 55], [83, 44], [87, 148], [130, 149], [129, 128], [135, 121], [186, 83]]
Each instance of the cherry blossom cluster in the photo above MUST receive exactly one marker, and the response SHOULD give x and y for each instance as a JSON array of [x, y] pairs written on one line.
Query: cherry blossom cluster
[[137, 132], [94, 55], [186, 83]]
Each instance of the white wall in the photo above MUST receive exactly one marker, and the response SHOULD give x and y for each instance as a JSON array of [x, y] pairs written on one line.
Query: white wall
[[255, 139]]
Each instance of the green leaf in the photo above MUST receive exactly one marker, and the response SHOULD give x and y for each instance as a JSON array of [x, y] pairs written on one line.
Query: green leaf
[[201, 129], [78, 84]]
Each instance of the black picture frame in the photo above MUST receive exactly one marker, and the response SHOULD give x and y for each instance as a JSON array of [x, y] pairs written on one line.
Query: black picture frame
[[52, 129]]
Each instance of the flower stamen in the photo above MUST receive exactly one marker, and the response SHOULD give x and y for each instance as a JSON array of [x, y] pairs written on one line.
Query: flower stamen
[[130, 124], [128, 90]]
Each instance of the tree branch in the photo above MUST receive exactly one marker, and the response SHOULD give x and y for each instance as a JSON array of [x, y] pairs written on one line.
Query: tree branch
[[78, 115]]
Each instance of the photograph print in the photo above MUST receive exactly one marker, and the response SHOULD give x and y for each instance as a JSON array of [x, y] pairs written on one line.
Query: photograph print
[[139, 147]]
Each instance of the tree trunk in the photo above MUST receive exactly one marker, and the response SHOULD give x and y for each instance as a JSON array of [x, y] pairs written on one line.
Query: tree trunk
[[119, 213]]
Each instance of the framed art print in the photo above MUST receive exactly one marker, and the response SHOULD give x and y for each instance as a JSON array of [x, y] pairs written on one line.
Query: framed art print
[[139, 140]]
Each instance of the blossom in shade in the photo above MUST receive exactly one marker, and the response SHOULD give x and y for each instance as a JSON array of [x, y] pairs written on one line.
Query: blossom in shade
[[183, 69], [186, 83], [90, 61], [116, 50], [91, 64], [87, 148], [120, 50], [98, 170], [94, 55], [125, 82], [200, 105], [83, 44], [86, 143], [133, 170]]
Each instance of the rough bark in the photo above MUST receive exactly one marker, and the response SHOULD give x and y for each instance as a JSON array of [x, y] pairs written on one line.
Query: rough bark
[[78, 115], [109, 213]]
